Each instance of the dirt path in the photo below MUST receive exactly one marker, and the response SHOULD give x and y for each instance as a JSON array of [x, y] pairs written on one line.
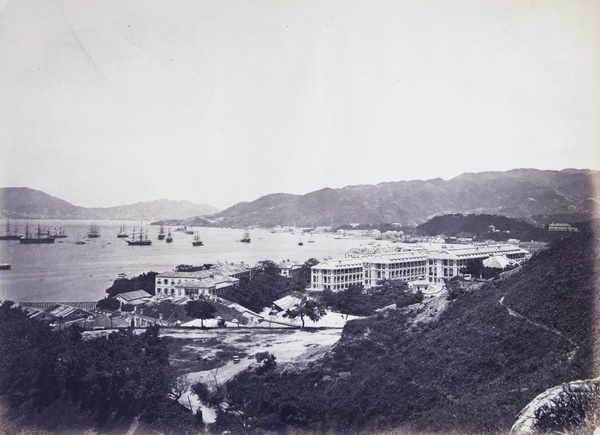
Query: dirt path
[[531, 322]]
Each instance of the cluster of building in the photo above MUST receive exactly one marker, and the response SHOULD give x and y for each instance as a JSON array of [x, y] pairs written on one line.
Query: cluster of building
[[203, 283], [434, 265]]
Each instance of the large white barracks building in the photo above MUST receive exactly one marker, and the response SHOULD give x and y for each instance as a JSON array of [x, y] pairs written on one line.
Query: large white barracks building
[[432, 265]]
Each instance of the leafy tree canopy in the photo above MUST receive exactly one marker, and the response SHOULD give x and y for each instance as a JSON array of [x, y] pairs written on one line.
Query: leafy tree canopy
[[200, 309]]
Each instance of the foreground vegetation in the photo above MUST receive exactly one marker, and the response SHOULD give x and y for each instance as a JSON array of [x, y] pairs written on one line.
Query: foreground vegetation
[[470, 371], [56, 379]]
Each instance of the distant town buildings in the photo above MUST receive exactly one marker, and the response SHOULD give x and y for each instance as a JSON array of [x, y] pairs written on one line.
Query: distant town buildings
[[561, 227]]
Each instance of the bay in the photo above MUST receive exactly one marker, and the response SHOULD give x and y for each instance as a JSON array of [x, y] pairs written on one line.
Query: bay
[[66, 271]]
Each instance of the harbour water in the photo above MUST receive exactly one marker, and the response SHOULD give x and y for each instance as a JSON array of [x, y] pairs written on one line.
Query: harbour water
[[66, 271]]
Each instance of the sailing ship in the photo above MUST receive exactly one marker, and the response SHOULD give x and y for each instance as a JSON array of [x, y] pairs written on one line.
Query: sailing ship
[[94, 232], [246, 238], [169, 237], [123, 232], [31, 238], [8, 235], [161, 234], [58, 233], [197, 241], [141, 240]]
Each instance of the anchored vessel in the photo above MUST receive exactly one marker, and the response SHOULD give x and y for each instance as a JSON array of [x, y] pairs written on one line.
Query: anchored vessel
[[59, 233], [141, 240], [8, 235], [40, 237], [197, 241], [94, 232], [161, 234], [246, 238], [123, 232], [169, 237]]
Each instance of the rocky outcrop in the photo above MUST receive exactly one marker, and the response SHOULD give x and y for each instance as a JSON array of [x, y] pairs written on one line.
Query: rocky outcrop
[[563, 404]]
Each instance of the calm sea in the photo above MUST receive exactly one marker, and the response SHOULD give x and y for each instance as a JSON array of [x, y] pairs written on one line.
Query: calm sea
[[66, 271]]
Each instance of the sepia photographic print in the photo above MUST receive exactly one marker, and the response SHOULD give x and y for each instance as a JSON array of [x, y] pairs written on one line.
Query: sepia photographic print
[[299, 216]]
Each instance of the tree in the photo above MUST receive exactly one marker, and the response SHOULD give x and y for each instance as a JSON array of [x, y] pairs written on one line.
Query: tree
[[301, 280], [200, 309], [474, 267], [109, 304], [145, 281], [309, 308], [268, 267], [267, 361]]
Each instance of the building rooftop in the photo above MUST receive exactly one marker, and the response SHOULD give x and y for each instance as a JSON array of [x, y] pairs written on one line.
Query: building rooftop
[[133, 295]]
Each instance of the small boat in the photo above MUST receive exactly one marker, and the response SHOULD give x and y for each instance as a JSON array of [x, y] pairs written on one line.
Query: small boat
[[123, 232], [39, 238], [197, 241], [94, 232], [169, 237], [80, 242], [141, 240], [4, 266], [246, 238], [161, 234]]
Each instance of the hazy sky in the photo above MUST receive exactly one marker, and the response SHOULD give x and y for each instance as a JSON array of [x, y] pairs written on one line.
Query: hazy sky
[[109, 102]]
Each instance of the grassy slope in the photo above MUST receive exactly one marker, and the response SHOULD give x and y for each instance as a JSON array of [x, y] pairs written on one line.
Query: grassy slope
[[471, 371]]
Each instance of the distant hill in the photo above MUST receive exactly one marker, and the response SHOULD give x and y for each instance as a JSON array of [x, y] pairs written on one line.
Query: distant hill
[[473, 224], [535, 195], [470, 370], [25, 203], [488, 227]]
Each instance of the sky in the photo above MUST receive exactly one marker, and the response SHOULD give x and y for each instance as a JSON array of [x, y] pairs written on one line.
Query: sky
[[112, 102]]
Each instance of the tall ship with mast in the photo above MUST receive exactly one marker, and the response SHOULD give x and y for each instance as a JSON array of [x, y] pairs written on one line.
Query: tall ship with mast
[[197, 241], [59, 233], [123, 232], [161, 234], [8, 234], [139, 240], [94, 232], [31, 238], [246, 238]]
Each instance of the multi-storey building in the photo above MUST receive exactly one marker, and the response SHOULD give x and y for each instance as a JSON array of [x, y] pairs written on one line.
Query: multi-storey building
[[562, 227], [447, 262], [405, 266], [211, 282], [336, 274], [433, 265], [289, 268]]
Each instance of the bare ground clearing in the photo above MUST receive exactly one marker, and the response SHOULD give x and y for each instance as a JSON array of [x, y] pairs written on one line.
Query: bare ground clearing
[[206, 355]]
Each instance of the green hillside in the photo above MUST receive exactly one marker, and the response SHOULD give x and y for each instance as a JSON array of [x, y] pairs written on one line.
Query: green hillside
[[471, 371]]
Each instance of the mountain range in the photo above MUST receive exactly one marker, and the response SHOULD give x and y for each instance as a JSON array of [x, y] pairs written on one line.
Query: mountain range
[[25, 203], [537, 196]]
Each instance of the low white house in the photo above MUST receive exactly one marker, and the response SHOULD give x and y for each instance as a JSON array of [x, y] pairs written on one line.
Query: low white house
[[136, 297]]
